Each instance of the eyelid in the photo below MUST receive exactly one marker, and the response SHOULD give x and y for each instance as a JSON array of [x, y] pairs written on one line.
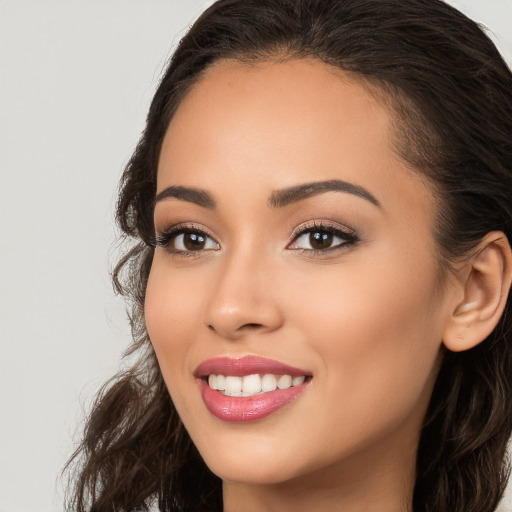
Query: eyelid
[[322, 225], [164, 237], [349, 235]]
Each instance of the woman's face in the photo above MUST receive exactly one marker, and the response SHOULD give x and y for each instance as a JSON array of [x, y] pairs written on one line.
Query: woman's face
[[295, 249]]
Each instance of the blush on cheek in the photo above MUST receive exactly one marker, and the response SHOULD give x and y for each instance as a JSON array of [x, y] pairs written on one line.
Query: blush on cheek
[[380, 334], [168, 308]]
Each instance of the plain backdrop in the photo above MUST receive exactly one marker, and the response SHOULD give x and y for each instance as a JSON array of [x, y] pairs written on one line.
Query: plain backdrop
[[76, 79]]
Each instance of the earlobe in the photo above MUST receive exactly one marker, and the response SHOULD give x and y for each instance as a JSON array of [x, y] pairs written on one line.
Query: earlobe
[[486, 281]]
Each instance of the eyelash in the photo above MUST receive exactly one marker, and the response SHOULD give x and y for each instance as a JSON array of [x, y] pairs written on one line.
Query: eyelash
[[166, 238], [349, 238]]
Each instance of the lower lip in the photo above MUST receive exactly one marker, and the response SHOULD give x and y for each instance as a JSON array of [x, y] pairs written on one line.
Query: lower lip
[[248, 408]]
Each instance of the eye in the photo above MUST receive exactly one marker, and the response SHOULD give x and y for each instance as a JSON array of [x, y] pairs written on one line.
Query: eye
[[186, 240], [193, 241], [323, 238]]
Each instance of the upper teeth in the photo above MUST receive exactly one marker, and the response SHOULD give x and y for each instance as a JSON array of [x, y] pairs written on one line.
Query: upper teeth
[[252, 384]]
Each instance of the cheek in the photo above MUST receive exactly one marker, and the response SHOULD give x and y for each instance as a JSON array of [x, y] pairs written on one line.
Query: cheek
[[368, 301], [171, 317], [376, 329]]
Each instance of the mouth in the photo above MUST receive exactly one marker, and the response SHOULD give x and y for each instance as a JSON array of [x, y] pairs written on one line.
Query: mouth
[[249, 388], [254, 384]]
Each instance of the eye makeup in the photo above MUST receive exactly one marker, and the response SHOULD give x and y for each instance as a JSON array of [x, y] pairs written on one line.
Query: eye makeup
[[322, 238], [186, 240], [316, 238]]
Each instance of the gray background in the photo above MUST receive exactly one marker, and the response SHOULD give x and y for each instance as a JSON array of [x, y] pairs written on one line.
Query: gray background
[[76, 78]]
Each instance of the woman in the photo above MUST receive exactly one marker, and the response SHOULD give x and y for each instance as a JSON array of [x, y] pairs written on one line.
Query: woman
[[321, 209]]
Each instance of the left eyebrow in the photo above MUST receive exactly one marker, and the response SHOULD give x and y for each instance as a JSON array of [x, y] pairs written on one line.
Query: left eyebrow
[[284, 197]]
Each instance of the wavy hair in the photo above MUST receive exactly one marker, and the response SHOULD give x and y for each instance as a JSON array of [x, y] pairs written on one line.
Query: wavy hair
[[450, 95]]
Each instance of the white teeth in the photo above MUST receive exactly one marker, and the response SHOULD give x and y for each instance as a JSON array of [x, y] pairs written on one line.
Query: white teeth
[[233, 385], [212, 381], [254, 384], [296, 381], [221, 382], [284, 382], [268, 383], [251, 384]]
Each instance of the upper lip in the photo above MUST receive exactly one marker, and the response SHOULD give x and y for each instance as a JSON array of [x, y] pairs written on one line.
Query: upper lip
[[248, 365]]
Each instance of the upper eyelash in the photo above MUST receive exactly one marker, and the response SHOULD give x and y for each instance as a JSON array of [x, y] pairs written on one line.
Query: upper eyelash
[[350, 236], [164, 238]]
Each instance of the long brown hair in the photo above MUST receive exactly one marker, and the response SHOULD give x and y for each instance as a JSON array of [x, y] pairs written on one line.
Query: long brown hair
[[450, 93]]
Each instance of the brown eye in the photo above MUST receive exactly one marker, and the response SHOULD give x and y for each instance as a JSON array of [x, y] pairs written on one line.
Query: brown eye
[[320, 239], [193, 241], [183, 240]]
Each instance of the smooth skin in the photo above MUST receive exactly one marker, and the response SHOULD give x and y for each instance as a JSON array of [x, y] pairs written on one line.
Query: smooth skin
[[368, 314]]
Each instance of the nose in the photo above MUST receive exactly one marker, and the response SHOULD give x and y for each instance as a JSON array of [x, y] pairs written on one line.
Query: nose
[[243, 299]]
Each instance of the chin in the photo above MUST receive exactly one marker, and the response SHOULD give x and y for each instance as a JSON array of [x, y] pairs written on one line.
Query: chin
[[251, 472], [253, 460]]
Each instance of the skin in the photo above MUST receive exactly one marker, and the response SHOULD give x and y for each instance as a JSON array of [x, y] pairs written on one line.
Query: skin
[[366, 319]]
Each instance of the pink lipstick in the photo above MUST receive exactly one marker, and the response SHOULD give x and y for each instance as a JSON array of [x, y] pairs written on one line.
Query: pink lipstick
[[249, 388]]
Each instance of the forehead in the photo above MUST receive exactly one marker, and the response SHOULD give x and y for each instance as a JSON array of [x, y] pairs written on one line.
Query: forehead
[[287, 98], [276, 124]]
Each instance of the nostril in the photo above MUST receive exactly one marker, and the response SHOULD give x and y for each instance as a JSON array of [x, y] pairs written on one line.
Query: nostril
[[251, 326], [248, 326]]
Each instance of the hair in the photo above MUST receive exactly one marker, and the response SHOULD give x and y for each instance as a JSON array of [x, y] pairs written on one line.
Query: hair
[[450, 94]]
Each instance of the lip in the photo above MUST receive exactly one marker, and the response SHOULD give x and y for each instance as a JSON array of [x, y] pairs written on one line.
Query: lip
[[247, 365], [250, 408]]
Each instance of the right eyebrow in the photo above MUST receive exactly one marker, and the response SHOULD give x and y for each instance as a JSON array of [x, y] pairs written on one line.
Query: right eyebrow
[[189, 194]]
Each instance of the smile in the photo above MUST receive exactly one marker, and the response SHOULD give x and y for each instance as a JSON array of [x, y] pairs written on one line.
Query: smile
[[250, 388], [250, 385]]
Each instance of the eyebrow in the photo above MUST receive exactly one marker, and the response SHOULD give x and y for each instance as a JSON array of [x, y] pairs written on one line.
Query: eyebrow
[[281, 198], [191, 195], [278, 198]]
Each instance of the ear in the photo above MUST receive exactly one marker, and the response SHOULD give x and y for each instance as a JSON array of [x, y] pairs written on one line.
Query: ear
[[485, 282]]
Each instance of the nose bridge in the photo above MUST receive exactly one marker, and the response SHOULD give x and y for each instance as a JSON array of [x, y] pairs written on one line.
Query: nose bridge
[[240, 300]]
